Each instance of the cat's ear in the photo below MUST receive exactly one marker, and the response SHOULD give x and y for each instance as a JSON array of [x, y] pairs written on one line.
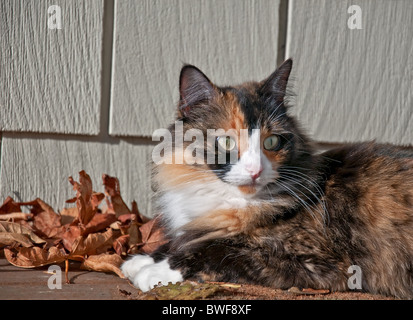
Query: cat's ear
[[276, 84], [194, 88]]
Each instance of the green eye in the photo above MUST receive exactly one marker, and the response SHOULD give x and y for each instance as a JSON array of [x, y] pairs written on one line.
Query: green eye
[[272, 142], [226, 143]]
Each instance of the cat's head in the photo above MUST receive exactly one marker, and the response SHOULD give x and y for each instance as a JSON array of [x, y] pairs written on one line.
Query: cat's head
[[241, 134]]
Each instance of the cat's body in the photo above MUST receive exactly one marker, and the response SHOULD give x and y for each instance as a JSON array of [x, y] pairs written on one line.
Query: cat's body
[[281, 215]]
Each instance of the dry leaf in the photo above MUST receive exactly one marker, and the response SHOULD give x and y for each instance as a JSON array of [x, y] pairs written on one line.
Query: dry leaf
[[153, 236], [96, 199], [230, 285], [94, 243], [99, 222], [34, 256], [135, 237], [14, 233], [115, 225], [116, 204], [125, 218], [186, 290], [13, 239], [70, 235], [86, 207], [71, 200], [307, 291], [9, 205], [78, 233], [140, 218], [315, 291], [121, 245], [15, 216], [45, 221], [69, 215], [104, 263]]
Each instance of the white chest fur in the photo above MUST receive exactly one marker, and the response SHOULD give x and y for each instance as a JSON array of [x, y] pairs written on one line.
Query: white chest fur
[[186, 202]]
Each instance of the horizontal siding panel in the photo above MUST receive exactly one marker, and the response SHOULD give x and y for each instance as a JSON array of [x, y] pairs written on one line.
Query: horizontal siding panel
[[38, 165], [50, 78], [353, 85], [231, 41]]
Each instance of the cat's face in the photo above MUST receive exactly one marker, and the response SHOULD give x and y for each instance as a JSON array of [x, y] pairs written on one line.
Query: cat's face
[[247, 133]]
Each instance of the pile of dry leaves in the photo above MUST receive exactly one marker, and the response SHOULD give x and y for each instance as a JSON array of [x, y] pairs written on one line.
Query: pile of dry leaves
[[98, 233]]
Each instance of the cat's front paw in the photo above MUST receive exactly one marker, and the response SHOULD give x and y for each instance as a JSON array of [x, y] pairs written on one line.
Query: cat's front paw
[[153, 274], [144, 273], [132, 266]]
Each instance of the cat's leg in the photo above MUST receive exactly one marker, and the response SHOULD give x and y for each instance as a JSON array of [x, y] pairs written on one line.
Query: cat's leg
[[225, 223]]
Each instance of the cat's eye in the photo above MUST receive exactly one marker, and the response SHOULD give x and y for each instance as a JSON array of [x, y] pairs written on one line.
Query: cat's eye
[[272, 142], [226, 143]]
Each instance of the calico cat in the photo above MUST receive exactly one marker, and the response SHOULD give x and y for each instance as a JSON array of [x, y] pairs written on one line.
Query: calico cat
[[281, 214]]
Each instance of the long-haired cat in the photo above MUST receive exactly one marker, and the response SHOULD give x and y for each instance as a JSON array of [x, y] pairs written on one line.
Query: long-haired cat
[[280, 214]]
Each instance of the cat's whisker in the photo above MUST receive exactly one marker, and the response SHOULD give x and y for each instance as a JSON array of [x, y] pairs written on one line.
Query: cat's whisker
[[277, 118], [304, 176], [272, 198], [308, 206], [294, 167], [296, 196], [322, 213], [296, 170], [318, 189], [274, 113]]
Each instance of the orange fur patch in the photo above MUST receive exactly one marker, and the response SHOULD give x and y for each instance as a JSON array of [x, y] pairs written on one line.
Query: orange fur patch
[[173, 175], [236, 119], [248, 189]]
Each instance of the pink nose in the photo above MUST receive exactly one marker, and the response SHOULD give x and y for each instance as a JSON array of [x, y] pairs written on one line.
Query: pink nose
[[255, 175]]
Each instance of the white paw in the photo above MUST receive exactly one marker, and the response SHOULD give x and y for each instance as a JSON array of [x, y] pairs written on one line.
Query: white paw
[[132, 266], [151, 274]]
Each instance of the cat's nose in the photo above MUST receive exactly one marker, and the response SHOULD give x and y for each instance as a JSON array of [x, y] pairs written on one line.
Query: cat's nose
[[256, 174]]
